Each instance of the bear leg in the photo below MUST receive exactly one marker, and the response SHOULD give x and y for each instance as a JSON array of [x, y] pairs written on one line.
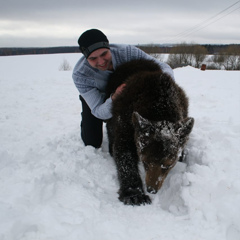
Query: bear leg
[[131, 190], [110, 133]]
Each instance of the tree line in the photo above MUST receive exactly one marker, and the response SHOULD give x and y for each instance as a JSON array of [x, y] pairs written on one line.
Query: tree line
[[223, 57], [32, 51], [214, 56]]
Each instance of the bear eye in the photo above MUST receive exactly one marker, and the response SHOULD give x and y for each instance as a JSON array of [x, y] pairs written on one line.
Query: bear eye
[[165, 167]]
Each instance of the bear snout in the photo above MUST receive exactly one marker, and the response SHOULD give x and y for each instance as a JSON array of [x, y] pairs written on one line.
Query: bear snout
[[152, 190]]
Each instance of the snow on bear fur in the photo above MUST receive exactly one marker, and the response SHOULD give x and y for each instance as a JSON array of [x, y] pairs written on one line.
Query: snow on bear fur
[[150, 123]]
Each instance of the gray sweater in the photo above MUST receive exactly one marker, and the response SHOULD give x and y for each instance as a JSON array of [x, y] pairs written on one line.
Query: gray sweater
[[91, 83]]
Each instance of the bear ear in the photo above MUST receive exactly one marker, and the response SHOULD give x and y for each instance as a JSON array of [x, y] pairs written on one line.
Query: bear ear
[[139, 121], [185, 127]]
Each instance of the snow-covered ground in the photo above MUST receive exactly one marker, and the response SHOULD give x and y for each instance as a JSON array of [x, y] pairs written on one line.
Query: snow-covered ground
[[54, 188]]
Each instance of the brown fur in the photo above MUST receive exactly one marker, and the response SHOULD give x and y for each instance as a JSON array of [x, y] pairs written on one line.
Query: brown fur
[[150, 123]]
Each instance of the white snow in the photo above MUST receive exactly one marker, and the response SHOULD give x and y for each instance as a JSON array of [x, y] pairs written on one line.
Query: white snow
[[54, 188]]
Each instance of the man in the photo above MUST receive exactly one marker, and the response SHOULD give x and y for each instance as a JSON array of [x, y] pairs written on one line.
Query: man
[[91, 75]]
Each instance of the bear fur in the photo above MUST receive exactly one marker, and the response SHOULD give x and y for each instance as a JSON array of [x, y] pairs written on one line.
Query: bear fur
[[150, 123]]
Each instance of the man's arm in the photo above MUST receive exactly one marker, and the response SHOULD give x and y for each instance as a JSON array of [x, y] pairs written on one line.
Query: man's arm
[[95, 99], [100, 107]]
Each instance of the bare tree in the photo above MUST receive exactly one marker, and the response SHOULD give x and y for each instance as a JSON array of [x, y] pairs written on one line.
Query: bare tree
[[157, 56], [199, 55], [187, 54], [217, 61], [183, 54], [232, 58], [65, 66]]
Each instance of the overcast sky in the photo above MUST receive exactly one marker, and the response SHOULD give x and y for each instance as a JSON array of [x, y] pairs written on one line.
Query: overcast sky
[[43, 23]]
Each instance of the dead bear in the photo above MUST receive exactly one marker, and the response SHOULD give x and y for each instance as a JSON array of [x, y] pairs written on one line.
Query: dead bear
[[150, 123]]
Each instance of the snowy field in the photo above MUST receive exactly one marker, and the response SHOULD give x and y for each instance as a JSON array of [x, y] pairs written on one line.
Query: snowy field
[[54, 188]]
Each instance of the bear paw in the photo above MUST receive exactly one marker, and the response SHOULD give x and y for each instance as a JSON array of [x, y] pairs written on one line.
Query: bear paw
[[134, 196]]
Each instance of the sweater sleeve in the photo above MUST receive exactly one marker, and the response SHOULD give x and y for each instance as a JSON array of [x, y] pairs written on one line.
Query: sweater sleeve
[[127, 53], [96, 102], [95, 99]]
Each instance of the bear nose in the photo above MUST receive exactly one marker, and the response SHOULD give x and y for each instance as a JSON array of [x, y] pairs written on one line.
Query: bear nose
[[151, 190]]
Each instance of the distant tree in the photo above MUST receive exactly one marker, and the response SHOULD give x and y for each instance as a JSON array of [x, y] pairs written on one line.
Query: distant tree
[[150, 48], [65, 66], [174, 60], [187, 54], [6, 52], [216, 61], [157, 56], [232, 57], [181, 54], [199, 55]]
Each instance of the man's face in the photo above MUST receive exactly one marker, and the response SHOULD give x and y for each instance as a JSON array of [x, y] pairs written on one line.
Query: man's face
[[101, 59]]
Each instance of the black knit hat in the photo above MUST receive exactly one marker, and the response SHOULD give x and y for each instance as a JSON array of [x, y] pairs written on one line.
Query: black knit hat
[[92, 40]]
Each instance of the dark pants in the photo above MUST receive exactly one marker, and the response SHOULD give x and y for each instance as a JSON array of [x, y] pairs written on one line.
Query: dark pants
[[91, 127]]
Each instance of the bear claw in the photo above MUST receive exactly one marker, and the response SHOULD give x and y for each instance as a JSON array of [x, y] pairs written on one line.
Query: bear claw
[[134, 197]]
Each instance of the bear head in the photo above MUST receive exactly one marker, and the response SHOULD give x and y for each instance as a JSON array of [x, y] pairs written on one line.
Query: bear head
[[159, 145]]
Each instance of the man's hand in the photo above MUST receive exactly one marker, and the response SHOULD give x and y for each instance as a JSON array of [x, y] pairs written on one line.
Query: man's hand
[[118, 91]]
